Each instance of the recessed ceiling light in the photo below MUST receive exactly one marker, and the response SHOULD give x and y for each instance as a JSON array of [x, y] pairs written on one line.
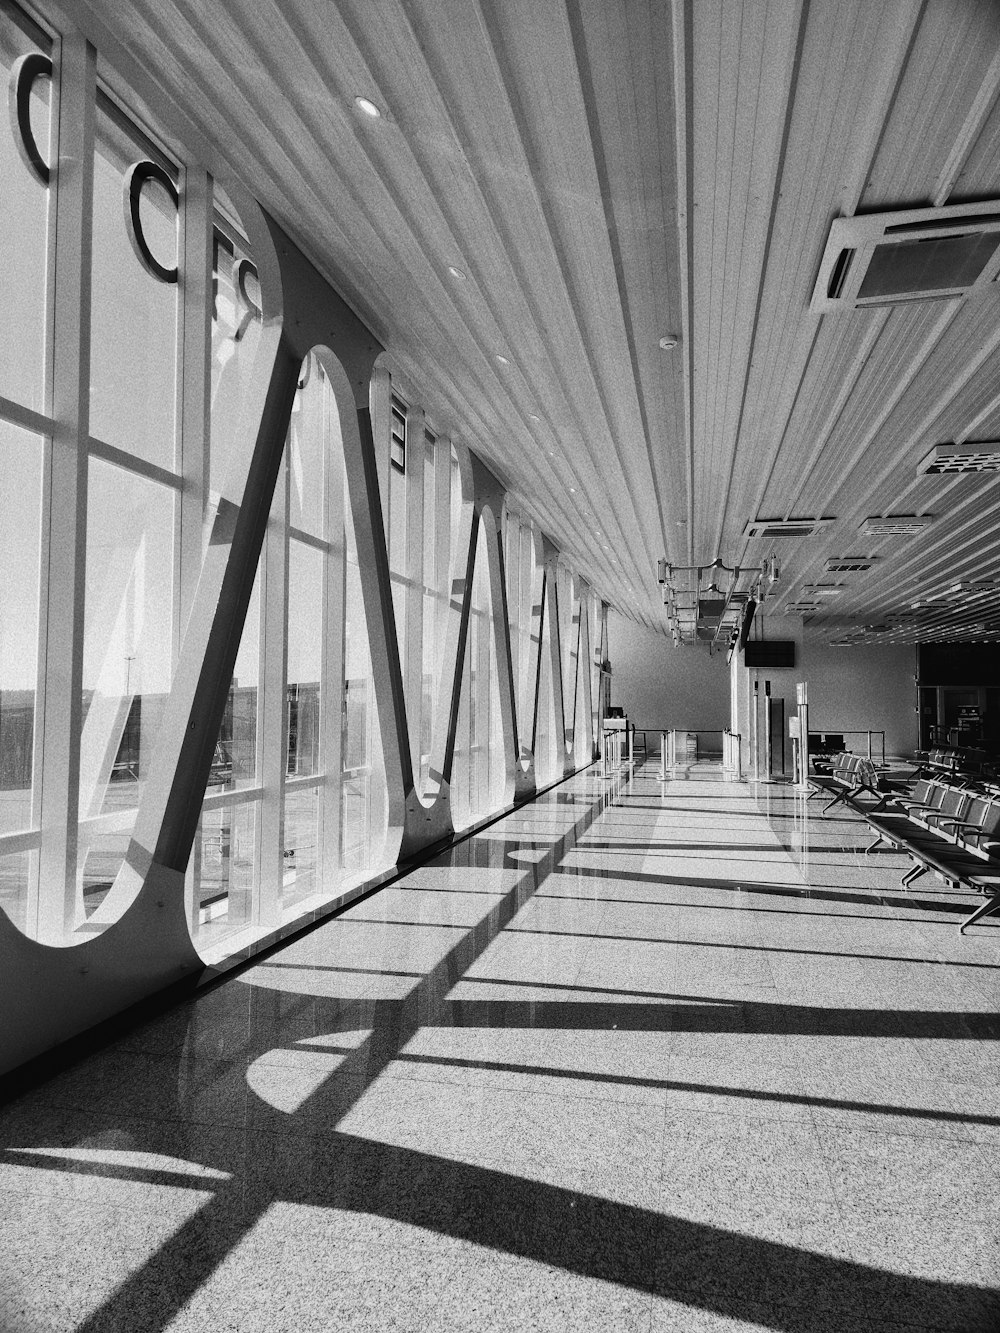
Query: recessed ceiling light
[[533, 417], [456, 272], [669, 341], [572, 490], [368, 107], [502, 360]]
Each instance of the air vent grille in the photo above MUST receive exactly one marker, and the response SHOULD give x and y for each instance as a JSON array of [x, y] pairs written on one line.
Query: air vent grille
[[915, 254], [784, 527], [976, 456], [896, 525], [975, 587], [849, 564]]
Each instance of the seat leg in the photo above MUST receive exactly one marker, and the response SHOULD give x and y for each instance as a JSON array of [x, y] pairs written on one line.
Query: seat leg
[[990, 905], [837, 798], [874, 844], [914, 872]]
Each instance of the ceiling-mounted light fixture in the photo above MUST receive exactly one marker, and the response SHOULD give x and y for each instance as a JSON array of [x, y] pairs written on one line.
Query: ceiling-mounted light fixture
[[368, 107], [669, 341], [456, 272], [502, 360]]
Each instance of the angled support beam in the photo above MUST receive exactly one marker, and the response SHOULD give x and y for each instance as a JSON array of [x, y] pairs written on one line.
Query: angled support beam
[[551, 617], [532, 668], [490, 498], [586, 743]]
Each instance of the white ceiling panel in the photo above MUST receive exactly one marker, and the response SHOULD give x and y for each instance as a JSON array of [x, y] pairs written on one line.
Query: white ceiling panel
[[605, 173]]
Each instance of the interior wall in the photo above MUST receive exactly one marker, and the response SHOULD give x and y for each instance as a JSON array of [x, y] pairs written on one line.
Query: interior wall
[[661, 686], [863, 688]]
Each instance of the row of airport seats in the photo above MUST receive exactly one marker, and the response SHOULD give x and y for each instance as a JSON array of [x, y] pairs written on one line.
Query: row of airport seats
[[849, 778], [948, 823], [950, 828], [966, 763]]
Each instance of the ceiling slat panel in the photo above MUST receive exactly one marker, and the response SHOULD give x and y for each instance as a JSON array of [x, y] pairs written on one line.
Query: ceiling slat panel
[[843, 71]]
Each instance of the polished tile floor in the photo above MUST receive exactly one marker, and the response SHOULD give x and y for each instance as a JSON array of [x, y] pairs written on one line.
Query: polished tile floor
[[640, 1056]]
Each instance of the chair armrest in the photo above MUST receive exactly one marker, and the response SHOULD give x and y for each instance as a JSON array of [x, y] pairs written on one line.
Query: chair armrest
[[935, 817]]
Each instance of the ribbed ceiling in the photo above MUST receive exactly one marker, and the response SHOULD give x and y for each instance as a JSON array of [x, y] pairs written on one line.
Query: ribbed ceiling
[[605, 172]]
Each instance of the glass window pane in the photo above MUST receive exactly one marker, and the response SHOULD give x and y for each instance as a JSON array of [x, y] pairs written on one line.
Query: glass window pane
[[548, 764], [431, 578], [311, 421], [128, 633], [101, 855], [24, 228], [133, 313], [235, 762], [225, 854], [305, 658], [364, 805], [397, 520], [236, 326], [301, 861], [479, 772], [15, 877], [20, 537]]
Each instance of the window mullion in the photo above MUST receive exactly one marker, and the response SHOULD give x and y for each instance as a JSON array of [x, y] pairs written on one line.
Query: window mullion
[[332, 668], [52, 906], [274, 709], [414, 595], [194, 352]]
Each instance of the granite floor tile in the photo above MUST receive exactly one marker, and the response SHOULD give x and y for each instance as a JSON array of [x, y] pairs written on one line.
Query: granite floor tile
[[65, 1260], [511, 1293], [750, 1317], [923, 1108], [697, 1065], [299, 1267], [737, 1088], [605, 1063]]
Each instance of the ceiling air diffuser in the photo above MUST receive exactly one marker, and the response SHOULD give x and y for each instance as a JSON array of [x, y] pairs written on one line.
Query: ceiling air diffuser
[[896, 525], [976, 456], [849, 564], [915, 254], [784, 527]]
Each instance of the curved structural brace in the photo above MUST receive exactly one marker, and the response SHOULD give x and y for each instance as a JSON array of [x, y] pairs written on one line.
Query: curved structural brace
[[74, 973]]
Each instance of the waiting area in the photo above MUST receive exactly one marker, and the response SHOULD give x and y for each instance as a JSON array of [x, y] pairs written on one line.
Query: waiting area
[[642, 1055]]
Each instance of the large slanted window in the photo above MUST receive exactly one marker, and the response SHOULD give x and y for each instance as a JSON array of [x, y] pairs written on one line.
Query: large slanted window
[[296, 808], [134, 362]]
